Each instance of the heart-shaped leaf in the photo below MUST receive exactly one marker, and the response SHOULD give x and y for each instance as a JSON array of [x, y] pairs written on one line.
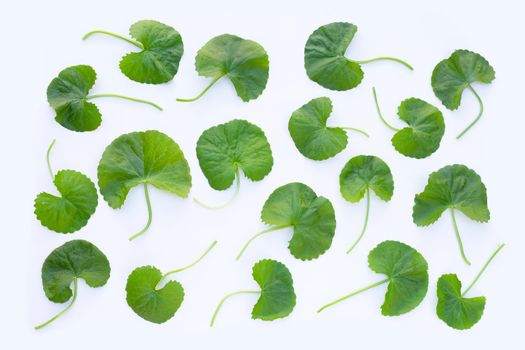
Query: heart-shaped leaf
[[312, 137], [407, 277], [161, 50], [312, 218], [146, 157], [65, 265], [454, 187], [243, 61]]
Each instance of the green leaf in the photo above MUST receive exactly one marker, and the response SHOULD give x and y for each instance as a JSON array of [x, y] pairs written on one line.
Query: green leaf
[[312, 218], [67, 263], [153, 304], [407, 271], [244, 62], [424, 132], [325, 61], [455, 310], [159, 61], [147, 158], [277, 298], [453, 75], [309, 132], [407, 277], [72, 210], [363, 173], [224, 149], [67, 95]]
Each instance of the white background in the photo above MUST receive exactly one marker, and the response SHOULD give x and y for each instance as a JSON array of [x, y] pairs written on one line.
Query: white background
[[40, 38]]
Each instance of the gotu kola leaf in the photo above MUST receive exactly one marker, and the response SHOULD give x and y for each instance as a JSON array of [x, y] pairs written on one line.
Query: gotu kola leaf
[[70, 211], [454, 187], [225, 149], [147, 158], [312, 218], [276, 296], [325, 61], [453, 75], [243, 61], [312, 137], [151, 300], [453, 307], [425, 129], [407, 277], [65, 265], [361, 175], [68, 95], [161, 50]]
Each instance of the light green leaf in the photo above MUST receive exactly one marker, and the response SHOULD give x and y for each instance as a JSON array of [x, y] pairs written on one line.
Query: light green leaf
[[244, 62], [72, 210]]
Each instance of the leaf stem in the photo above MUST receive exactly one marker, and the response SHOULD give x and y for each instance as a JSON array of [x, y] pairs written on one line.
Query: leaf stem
[[202, 93], [48, 161], [355, 129], [131, 41], [234, 195], [479, 114], [380, 114], [150, 214], [458, 237], [365, 224], [353, 293], [126, 98], [75, 288], [483, 269], [385, 58], [192, 264], [226, 297], [271, 229]]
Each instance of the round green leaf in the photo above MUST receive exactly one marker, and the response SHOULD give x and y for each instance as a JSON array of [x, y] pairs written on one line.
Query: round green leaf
[[145, 157], [455, 310], [324, 57], [225, 148], [158, 62], [309, 132], [71, 211], [67, 94], [407, 271], [454, 186], [424, 132], [366, 172], [312, 217], [72, 260], [277, 298], [153, 304], [244, 62], [454, 74]]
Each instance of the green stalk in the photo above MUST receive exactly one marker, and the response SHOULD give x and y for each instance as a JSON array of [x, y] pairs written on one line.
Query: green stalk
[[353, 293], [75, 288], [271, 229], [365, 224], [226, 297], [479, 114], [483, 269], [458, 237], [232, 198], [150, 215], [48, 161], [126, 98], [131, 41], [380, 114], [202, 93], [355, 129], [384, 58]]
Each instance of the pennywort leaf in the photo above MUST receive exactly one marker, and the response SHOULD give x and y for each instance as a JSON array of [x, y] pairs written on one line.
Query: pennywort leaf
[[68, 95], [312, 137], [361, 175], [150, 298], [161, 49], [453, 308], [325, 61], [453, 75], [65, 265], [407, 277], [425, 129], [276, 294], [70, 211], [142, 158], [454, 187], [243, 61], [226, 149], [312, 218]]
